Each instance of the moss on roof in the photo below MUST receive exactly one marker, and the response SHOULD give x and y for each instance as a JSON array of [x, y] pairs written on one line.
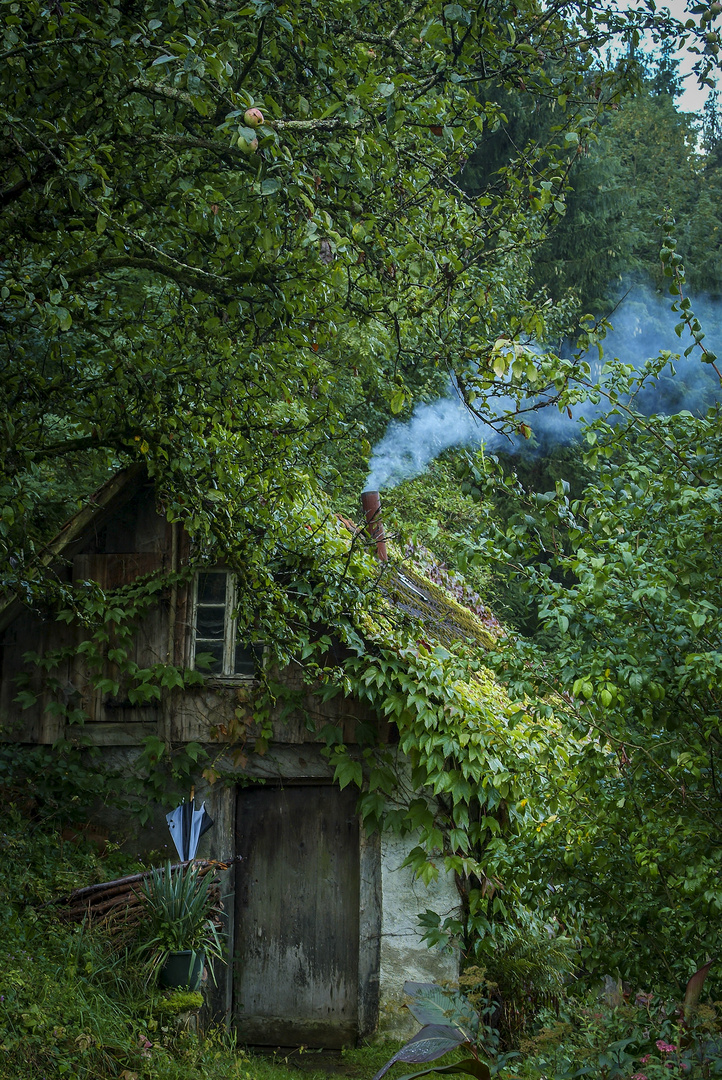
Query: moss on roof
[[446, 620], [407, 588]]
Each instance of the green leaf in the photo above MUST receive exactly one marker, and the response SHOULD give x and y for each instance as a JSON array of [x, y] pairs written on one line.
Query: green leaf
[[455, 13], [348, 772], [467, 1066], [432, 1004], [398, 400], [26, 699]]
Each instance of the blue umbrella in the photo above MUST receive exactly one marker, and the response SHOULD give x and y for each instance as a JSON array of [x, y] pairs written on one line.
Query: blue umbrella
[[187, 825]]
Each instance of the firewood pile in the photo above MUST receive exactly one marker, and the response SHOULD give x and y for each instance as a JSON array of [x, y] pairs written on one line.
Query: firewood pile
[[118, 906]]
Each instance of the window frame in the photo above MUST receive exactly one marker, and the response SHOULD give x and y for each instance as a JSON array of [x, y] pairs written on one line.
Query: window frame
[[230, 630]]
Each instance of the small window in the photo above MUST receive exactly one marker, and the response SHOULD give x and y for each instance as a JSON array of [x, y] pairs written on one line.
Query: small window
[[215, 648]]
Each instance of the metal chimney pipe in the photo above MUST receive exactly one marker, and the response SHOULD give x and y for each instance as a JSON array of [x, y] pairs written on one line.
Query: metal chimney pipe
[[371, 505]]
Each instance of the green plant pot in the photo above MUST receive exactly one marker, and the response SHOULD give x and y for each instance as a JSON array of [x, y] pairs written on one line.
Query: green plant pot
[[182, 970]]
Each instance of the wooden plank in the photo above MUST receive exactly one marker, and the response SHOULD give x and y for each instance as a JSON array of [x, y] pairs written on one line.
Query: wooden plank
[[184, 606], [196, 712], [30, 634], [148, 645], [113, 734], [113, 571], [297, 917]]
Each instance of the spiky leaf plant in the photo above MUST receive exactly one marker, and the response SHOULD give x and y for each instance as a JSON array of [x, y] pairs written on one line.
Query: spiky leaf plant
[[181, 913]]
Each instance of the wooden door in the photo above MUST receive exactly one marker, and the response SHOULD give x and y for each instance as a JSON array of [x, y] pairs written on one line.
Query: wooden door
[[296, 954]]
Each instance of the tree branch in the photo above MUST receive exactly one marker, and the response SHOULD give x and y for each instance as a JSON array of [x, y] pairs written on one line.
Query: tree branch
[[380, 39], [184, 275], [38, 45], [318, 125], [160, 90], [194, 271], [191, 142], [12, 193], [253, 57]]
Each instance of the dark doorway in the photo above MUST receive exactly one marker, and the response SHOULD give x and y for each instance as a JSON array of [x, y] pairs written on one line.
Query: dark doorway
[[296, 955]]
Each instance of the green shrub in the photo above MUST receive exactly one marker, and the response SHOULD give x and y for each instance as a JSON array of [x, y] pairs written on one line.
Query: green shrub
[[643, 1040], [523, 968]]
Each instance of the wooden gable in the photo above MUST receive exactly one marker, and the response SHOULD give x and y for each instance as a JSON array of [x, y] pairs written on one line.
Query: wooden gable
[[117, 539]]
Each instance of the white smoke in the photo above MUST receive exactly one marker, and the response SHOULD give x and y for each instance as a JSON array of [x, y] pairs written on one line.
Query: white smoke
[[407, 448], [643, 327]]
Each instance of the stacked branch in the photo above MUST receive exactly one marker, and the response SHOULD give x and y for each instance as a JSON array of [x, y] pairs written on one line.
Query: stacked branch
[[118, 906]]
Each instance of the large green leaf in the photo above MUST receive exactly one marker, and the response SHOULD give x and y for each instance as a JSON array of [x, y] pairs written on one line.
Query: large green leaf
[[431, 1042], [431, 1004], [470, 1066]]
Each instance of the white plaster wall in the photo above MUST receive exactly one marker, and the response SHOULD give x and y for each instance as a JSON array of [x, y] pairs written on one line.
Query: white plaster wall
[[404, 957]]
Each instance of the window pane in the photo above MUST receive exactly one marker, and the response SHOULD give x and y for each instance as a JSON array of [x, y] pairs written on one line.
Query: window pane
[[212, 587], [247, 658], [214, 663], [210, 622]]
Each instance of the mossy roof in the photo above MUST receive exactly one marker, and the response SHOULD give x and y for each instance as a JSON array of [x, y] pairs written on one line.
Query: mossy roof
[[410, 590], [447, 620]]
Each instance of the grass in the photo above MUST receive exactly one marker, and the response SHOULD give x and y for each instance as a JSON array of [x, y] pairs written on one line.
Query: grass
[[360, 1063]]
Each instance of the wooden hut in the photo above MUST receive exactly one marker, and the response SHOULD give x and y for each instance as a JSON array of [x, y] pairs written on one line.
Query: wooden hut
[[322, 917]]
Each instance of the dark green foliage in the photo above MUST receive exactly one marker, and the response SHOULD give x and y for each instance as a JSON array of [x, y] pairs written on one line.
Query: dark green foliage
[[173, 292], [54, 786], [627, 577], [526, 965], [430, 510], [506, 590], [64, 991], [643, 1036], [644, 162]]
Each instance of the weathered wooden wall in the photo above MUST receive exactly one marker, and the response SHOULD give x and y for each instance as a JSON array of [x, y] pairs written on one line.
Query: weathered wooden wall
[[130, 543]]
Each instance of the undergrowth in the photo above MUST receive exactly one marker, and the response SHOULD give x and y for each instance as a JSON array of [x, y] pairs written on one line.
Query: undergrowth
[[642, 1039], [73, 1004]]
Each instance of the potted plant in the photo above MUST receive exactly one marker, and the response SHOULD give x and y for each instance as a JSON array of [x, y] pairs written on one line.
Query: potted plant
[[182, 930]]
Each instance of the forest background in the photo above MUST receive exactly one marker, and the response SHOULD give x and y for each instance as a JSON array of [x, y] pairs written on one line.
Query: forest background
[[434, 196]]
